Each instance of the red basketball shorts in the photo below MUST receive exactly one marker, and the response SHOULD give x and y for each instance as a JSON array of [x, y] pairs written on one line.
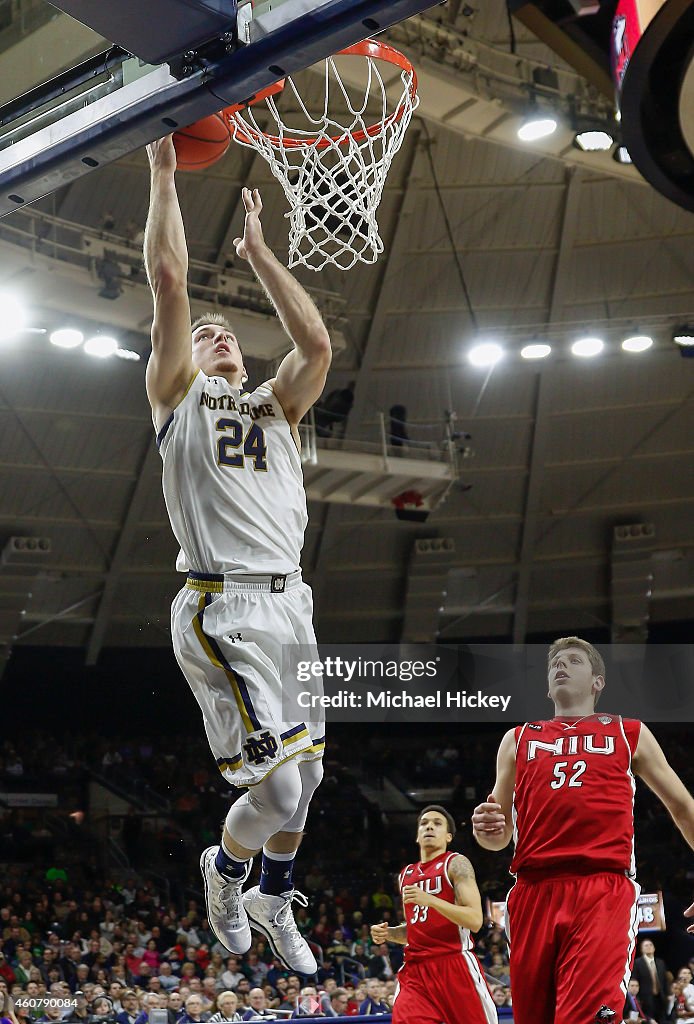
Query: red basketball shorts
[[572, 946], [443, 990]]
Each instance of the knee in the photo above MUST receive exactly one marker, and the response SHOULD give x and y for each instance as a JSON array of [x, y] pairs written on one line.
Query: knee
[[279, 795], [311, 777]]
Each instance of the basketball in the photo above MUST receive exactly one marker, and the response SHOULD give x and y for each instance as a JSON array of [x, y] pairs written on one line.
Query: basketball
[[201, 144]]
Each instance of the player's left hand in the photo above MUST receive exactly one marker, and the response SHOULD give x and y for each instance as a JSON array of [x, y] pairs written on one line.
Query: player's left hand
[[413, 894], [689, 912], [253, 239]]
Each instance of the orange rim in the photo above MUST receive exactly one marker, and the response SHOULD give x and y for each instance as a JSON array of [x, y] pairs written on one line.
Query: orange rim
[[366, 48]]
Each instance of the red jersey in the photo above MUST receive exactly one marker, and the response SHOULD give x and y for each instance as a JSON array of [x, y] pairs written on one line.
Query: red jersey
[[573, 801], [429, 933]]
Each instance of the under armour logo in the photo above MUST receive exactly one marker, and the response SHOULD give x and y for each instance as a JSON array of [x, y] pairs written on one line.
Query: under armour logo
[[237, 636], [260, 748]]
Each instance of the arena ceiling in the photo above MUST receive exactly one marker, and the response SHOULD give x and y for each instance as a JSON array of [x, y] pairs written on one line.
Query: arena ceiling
[[483, 238]]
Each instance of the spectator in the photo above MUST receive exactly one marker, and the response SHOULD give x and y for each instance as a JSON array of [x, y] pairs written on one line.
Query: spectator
[[338, 1003], [499, 995], [332, 411], [227, 1003], [680, 1009], [338, 948], [233, 974], [255, 969], [115, 991], [80, 1011], [167, 979], [176, 1003], [397, 430], [130, 1011], [499, 969], [194, 1012], [685, 975], [632, 1005], [258, 1007], [51, 1015], [7, 1014], [650, 972], [208, 994], [380, 964], [374, 1004], [151, 955]]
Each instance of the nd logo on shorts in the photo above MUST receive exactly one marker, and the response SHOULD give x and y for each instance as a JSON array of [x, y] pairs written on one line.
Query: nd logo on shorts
[[260, 747]]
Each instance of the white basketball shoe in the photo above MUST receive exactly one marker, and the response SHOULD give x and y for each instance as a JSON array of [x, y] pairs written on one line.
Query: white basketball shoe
[[274, 918], [225, 910]]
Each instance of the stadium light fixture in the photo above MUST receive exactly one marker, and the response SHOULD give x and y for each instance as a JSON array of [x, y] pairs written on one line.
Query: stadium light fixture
[[101, 346], [684, 335], [539, 124], [621, 155], [487, 353], [66, 337], [14, 316], [593, 140], [637, 343], [536, 350], [587, 347]]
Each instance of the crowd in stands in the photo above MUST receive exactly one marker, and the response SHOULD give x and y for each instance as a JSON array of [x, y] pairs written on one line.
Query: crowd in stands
[[101, 942]]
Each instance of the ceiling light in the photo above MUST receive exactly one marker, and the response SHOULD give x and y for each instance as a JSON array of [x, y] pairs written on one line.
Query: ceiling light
[[67, 337], [126, 353], [488, 353], [586, 347], [13, 315], [621, 155], [637, 343], [536, 351], [537, 126], [593, 140], [101, 346], [683, 336]]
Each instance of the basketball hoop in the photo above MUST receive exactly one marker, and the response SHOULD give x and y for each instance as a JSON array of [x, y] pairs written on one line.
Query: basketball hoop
[[333, 169]]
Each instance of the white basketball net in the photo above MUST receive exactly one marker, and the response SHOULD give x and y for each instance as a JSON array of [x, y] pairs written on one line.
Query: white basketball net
[[333, 171]]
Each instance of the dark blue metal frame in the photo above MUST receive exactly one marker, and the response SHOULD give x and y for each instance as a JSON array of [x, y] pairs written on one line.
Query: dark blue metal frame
[[59, 154]]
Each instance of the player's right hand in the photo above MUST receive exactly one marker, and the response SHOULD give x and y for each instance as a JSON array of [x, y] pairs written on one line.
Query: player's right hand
[[489, 818], [161, 154], [252, 240], [379, 932]]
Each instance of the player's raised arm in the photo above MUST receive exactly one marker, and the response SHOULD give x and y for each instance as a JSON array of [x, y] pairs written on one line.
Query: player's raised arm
[[651, 765], [170, 366], [302, 373], [491, 820]]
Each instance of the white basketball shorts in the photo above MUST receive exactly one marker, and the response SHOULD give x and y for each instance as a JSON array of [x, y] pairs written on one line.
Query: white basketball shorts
[[228, 633]]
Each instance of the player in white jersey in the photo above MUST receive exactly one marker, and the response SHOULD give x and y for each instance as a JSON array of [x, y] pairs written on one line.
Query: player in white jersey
[[234, 492]]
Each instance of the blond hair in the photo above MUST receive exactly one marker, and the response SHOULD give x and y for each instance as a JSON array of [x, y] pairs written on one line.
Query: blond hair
[[217, 319], [594, 657]]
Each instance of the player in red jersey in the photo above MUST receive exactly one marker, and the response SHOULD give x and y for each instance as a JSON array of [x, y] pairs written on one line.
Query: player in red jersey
[[441, 981], [564, 792]]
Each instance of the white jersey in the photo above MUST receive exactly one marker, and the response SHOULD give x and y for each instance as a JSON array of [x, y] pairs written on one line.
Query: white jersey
[[232, 478]]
